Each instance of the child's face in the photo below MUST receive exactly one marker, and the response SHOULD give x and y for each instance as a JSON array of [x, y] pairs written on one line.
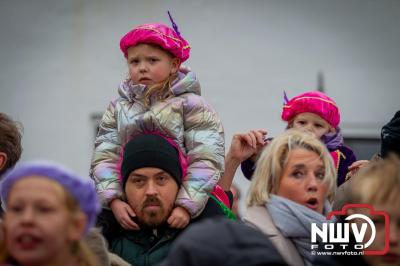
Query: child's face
[[312, 123], [150, 65], [39, 227]]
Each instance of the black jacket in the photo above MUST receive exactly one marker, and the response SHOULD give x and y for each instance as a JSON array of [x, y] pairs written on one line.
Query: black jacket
[[222, 242]]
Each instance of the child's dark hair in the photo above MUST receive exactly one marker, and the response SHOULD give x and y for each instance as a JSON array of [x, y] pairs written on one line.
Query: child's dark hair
[[10, 140]]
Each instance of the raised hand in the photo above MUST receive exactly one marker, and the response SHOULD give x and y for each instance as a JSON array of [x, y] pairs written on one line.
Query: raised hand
[[244, 146]]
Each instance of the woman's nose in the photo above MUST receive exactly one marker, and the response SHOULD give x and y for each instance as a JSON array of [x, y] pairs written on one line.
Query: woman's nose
[[312, 183]]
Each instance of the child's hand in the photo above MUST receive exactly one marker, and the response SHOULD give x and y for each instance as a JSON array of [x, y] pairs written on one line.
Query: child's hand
[[123, 213], [248, 145], [179, 218], [357, 165]]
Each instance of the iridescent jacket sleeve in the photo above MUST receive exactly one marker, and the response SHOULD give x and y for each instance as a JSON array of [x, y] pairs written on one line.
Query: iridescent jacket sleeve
[[103, 168], [204, 140]]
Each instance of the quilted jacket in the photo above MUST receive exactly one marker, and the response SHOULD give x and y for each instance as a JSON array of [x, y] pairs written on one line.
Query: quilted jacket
[[186, 117]]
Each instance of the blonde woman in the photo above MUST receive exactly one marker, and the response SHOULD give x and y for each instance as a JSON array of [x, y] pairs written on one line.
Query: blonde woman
[[291, 187]]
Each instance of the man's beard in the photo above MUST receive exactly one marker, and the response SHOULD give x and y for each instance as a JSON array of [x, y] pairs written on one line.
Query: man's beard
[[155, 217]]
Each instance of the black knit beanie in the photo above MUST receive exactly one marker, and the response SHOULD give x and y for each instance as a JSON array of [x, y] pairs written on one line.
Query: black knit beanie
[[150, 151], [390, 136]]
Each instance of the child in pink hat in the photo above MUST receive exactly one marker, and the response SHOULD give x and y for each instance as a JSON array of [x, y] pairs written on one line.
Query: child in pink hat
[[315, 112], [160, 97]]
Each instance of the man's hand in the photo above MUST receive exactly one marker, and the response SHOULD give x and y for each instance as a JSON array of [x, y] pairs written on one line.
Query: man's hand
[[248, 145], [123, 213], [179, 218]]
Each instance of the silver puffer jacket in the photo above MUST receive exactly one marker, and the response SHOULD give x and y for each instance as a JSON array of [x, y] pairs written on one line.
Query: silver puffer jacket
[[187, 118]]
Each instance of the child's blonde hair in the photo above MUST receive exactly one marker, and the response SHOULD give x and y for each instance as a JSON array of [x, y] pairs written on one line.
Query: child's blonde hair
[[160, 91]]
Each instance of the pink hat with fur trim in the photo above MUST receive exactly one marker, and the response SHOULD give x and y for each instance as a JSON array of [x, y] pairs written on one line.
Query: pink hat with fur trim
[[158, 34], [312, 102]]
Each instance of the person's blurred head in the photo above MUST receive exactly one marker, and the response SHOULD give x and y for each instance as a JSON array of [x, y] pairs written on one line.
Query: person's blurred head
[[152, 170], [297, 166], [378, 184], [48, 210], [220, 242], [10, 142]]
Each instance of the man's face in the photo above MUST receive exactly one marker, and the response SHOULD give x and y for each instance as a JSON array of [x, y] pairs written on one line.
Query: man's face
[[151, 192]]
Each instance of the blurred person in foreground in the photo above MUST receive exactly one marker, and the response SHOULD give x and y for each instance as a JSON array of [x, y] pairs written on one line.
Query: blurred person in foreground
[[48, 211]]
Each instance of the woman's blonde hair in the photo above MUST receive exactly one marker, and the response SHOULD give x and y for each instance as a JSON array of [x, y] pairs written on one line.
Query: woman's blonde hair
[[270, 165], [79, 249]]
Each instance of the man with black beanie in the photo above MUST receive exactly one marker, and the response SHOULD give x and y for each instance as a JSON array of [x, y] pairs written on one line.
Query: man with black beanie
[[151, 171]]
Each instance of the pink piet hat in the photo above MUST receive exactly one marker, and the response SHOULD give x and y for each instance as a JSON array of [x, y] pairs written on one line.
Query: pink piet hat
[[312, 102], [158, 34]]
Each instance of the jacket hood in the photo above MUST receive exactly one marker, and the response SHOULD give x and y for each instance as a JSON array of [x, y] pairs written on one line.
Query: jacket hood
[[186, 82]]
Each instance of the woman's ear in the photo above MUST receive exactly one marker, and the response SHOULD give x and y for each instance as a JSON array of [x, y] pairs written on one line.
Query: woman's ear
[[77, 226], [175, 63], [332, 130]]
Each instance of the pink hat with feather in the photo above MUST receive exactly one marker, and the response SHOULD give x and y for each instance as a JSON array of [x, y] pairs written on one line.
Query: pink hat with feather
[[312, 102], [158, 34]]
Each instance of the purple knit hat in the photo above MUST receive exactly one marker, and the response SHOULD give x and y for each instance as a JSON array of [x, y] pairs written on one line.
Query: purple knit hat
[[80, 188]]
